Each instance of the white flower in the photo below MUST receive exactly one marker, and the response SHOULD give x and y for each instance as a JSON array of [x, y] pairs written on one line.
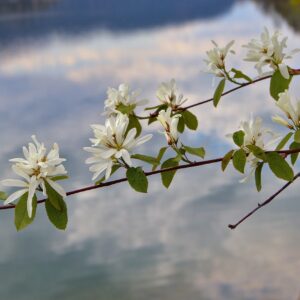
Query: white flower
[[121, 97], [170, 124], [292, 113], [269, 51], [112, 145], [216, 58], [256, 135], [36, 168], [167, 93]]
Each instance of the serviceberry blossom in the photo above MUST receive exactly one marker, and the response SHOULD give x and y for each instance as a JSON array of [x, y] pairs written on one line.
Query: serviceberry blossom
[[36, 169], [216, 59], [256, 134], [269, 51], [122, 97], [112, 144], [167, 93], [292, 113], [170, 124]]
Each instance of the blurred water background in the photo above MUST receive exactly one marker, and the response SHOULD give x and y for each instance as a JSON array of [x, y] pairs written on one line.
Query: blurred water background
[[57, 58]]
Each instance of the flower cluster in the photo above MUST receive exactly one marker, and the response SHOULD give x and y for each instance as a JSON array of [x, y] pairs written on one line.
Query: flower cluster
[[121, 100], [292, 113], [37, 169], [167, 93], [112, 145], [269, 51], [216, 59]]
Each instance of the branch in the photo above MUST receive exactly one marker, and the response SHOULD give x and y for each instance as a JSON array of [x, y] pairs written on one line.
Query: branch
[[186, 166], [260, 205], [152, 115]]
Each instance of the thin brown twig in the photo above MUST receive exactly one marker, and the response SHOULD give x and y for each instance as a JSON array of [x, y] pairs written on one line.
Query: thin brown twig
[[113, 182], [154, 114], [260, 205]]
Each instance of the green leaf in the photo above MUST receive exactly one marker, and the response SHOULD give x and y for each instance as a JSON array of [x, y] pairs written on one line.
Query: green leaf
[[113, 170], [258, 176], [239, 160], [297, 136], [134, 123], [294, 156], [257, 152], [181, 125], [238, 137], [137, 179], [239, 74], [159, 157], [226, 159], [149, 159], [279, 166], [59, 218], [195, 151], [218, 92], [126, 109], [3, 196], [167, 177], [157, 107], [53, 196], [190, 120], [283, 142], [22, 219], [278, 84], [60, 177]]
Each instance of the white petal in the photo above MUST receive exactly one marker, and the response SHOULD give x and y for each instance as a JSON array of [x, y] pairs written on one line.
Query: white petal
[[284, 71], [14, 182], [56, 187], [126, 157], [15, 195], [143, 139]]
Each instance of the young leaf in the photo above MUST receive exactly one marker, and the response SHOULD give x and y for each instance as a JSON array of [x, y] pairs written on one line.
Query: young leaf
[[190, 120], [294, 156], [257, 152], [238, 137], [137, 179], [3, 196], [126, 109], [218, 92], [53, 196], [113, 170], [278, 84], [59, 218], [181, 125], [134, 123], [258, 176], [283, 142], [157, 107], [148, 159], [226, 159], [60, 177], [167, 177], [22, 219], [195, 151], [297, 136], [279, 166], [239, 74], [239, 160], [159, 157]]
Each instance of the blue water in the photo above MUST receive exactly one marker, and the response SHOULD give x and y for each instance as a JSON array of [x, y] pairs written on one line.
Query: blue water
[[55, 66]]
